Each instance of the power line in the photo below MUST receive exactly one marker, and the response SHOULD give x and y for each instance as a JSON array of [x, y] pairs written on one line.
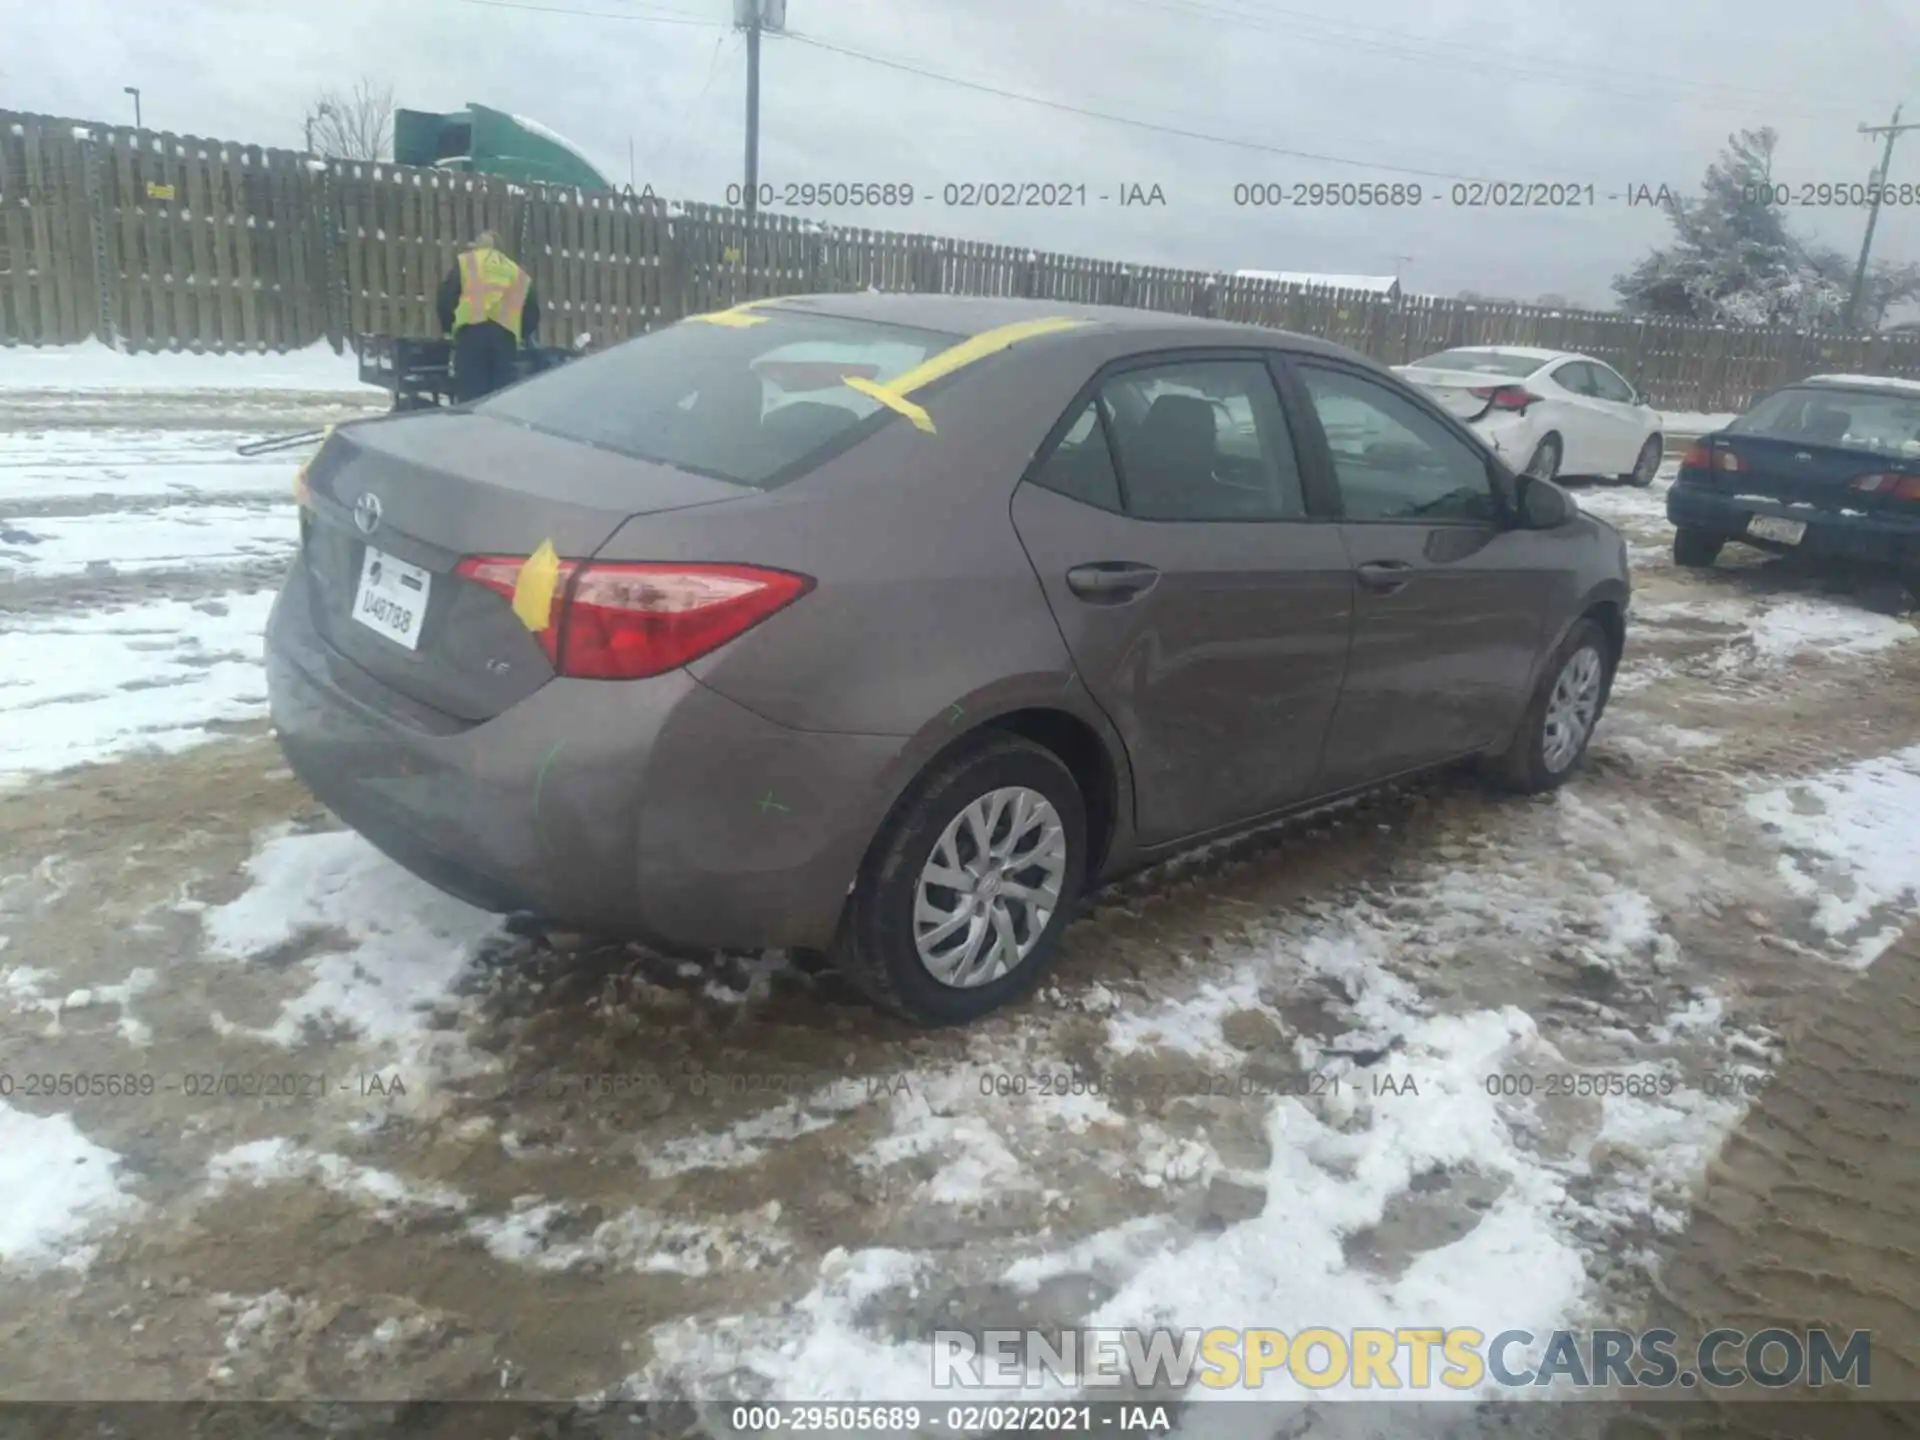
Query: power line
[[1127, 120], [1537, 69], [651, 17]]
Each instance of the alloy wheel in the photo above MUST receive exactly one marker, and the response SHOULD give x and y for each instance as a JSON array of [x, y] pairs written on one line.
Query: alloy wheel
[[988, 889], [1572, 708]]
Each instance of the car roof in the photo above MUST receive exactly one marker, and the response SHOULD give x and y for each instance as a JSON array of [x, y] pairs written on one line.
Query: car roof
[[1520, 352], [969, 315], [1884, 384]]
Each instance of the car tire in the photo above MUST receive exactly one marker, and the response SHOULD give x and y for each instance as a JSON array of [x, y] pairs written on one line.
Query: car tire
[[1544, 463], [1574, 684], [1647, 464], [1695, 549], [878, 950]]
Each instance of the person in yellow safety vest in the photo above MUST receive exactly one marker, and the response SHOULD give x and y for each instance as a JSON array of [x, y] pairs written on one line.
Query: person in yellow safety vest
[[488, 308]]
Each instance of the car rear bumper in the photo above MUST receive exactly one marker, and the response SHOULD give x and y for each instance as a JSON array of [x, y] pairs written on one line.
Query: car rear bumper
[[655, 808], [1874, 539], [1514, 437]]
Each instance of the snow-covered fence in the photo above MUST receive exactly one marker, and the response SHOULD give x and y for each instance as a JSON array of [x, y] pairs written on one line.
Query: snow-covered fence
[[160, 241]]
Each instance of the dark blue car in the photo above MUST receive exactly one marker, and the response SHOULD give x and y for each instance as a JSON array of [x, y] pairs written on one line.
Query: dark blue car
[[1828, 467]]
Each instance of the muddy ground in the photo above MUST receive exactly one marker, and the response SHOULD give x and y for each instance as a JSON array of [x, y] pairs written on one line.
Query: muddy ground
[[586, 1169]]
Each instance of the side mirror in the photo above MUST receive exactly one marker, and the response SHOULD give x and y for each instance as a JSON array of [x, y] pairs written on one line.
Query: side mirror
[[1544, 505]]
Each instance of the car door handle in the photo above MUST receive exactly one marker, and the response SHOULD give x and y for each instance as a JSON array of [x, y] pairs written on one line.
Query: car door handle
[[1111, 581], [1384, 576]]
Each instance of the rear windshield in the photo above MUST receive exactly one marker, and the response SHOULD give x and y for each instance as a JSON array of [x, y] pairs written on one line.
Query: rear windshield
[[754, 404], [1837, 417], [1486, 362]]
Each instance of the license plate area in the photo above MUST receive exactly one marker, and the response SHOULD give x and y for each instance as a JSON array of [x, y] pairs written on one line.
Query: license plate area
[[1772, 527], [391, 598]]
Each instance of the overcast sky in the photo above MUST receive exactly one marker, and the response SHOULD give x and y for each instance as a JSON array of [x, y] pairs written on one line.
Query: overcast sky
[[1612, 93]]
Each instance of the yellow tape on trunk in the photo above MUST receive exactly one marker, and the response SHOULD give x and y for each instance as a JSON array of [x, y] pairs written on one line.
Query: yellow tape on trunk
[[893, 394], [533, 590]]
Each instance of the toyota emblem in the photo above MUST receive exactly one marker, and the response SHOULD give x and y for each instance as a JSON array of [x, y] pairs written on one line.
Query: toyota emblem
[[366, 513]]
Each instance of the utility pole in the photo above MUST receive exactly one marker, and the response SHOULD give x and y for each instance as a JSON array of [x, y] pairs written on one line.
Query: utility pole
[[754, 16], [134, 90], [1893, 131]]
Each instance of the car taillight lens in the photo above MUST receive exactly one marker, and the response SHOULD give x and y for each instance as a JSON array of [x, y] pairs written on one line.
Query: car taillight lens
[[1890, 484], [1699, 456], [1506, 397], [617, 621]]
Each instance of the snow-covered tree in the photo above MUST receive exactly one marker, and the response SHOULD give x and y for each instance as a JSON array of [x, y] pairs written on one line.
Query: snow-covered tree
[[1733, 259]]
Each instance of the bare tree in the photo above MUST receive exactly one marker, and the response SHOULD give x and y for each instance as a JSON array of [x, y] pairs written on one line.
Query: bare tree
[[357, 125]]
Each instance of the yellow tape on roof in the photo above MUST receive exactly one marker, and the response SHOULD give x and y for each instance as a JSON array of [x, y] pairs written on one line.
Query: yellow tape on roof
[[893, 394]]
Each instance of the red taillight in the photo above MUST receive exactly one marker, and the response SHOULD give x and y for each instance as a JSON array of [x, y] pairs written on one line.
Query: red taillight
[[617, 621], [1890, 484], [1699, 456], [1506, 397]]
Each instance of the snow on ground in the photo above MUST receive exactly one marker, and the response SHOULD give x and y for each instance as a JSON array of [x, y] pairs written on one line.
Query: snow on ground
[[406, 942], [1338, 1162], [147, 677], [130, 541], [91, 366], [1853, 842], [60, 1188], [1694, 423]]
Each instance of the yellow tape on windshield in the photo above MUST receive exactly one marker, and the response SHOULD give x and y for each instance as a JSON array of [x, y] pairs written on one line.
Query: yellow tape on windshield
[[893, 394], [533, 590], [892, 399], [735, 318]]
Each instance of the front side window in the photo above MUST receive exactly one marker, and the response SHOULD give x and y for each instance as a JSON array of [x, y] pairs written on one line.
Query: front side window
[[750, 403], [1392, 460], [1203, 440], [1610, 386]]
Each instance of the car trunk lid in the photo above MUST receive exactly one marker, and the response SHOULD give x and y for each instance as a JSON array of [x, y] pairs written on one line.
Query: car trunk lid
[[397, 503], [1465, 394], [1795, 472]]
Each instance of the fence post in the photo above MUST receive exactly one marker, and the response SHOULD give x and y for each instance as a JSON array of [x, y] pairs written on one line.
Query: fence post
[[97, 227], [335, 304]]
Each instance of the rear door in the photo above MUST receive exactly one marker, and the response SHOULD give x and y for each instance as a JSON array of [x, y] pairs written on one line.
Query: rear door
[[1586, 428], [1449, 603], [1205, 602]]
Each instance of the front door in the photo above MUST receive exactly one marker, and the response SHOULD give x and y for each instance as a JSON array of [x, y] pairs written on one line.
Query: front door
[[1448, 612], [1206, 609]]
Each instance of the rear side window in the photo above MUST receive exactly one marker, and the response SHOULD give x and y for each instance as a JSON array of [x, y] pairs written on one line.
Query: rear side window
[[1080, 465], [755, 404], [1577, 377], [1203, 440], [1886, 423]]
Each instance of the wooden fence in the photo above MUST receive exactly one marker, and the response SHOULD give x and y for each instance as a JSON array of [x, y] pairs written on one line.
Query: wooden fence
[[156, 241]]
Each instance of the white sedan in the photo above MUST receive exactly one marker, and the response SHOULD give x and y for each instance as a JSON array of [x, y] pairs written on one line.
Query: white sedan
[[1548, 412]]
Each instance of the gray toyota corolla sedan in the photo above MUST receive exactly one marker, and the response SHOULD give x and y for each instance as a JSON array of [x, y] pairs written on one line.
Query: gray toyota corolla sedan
[[885, 625]]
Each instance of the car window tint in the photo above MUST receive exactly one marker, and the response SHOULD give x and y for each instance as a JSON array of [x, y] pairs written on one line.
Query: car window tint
[[1576, 377], [1204, 440], [1610, 386], [748, 403], [1392, 460], [1080, 466]]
